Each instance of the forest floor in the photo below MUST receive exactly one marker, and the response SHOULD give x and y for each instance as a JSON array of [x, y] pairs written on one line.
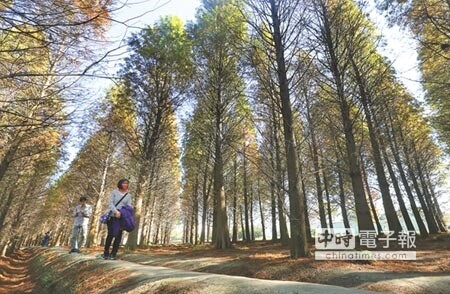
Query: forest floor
[[430, 273]]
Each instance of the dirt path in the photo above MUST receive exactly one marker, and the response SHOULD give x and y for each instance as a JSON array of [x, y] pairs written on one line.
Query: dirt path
[[15, 274], [429, 274], [59, 272], [377, 276]]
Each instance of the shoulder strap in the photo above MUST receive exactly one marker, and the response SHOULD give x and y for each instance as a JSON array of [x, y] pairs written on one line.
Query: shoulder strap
[[121, 199]]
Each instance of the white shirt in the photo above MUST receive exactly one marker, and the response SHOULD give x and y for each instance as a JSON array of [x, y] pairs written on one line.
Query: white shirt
[[81, 213]]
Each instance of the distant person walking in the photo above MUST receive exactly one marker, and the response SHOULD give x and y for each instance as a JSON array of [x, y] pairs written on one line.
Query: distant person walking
[[46, 239], [81, 213], [119, 199]]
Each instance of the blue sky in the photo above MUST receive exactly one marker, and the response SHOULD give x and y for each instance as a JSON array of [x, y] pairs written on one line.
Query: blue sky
[[141, 13], [153, 9]]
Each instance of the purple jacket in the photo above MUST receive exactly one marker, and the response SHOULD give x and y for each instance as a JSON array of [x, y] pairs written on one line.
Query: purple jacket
[[125, 222], [127, 218]]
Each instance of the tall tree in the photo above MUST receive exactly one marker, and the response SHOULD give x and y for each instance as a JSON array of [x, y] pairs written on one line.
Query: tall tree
[[157, 74], [218, 31], [279, 27], [329, 31]]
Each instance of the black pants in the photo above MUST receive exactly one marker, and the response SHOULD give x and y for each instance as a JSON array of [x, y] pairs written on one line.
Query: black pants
[[109, 238]]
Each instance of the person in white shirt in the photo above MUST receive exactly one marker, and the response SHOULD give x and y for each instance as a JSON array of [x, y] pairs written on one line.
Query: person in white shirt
[[81, 213]]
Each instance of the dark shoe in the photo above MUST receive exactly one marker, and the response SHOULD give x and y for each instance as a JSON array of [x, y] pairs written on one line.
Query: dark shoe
[[72, 250], [112, 257], [77, 250], [105, 256]]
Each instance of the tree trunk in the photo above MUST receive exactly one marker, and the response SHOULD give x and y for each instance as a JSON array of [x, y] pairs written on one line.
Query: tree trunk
[[205, 192], [156, 236], [16, 215], [436, 203], [252, 228], [305, 203], [279, 178], [221, 237], [273, 204], [299, 244], [398, 193], [208, 227], [150, 140], [6, 207], [242, 223], [284, 236], [95, 224], [151, 218], [191, 228], [214, 215], [369, 195], [132, 242], [389, 209], [247, 224], [427, 194], [9, 155], [393, 177], [362, 208], [431, 205], [148, 211], [395, 152], [315, 158], [261, 212], [327, 194], [144, 182], [342, 191], [323, 221], [432, 227], [235, 225], [196, 211]]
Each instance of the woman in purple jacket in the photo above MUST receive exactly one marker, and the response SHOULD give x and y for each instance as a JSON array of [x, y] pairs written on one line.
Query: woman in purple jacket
[[118, 199]]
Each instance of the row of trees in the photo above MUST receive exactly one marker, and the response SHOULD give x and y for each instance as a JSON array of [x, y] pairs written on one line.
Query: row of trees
[[302, 117], [137, 139], [295, 117], [43, 44]]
